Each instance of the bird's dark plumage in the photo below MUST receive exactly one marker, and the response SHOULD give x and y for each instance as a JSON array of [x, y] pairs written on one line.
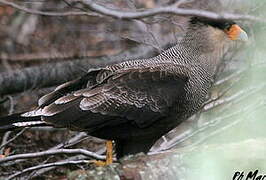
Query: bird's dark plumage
[[136, 102]]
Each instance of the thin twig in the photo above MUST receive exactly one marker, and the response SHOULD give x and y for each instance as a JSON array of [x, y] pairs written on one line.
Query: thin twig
[[74, 140], [43, 13], [4, 141], [180, 2], [39, 172], [46, 128], [52, 152], [214, 102], [11, 106], [78, 157], [120, 14], [60, 163], [15, 137], [232, 76]]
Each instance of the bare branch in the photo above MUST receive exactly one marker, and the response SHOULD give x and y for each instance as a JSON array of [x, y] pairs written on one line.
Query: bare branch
[[52, 152], [235, 97], [39, 172], [11, 106], [15, 137], [60, 163], [232, 76], [164, 10], [36, 12], [72, 141], [44, 170], [119, 14], [4, 141]]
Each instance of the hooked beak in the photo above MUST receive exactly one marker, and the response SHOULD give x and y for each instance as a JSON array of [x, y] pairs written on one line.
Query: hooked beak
[[237, 33], [242, 36]]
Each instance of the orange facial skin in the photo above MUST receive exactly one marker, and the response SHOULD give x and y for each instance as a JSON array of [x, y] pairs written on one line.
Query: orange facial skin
[[233, 32]]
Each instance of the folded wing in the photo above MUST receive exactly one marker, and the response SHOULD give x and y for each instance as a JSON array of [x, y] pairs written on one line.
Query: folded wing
[[108, 98]]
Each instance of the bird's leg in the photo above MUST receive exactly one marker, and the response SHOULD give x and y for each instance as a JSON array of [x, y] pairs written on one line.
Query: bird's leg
[[109, 155], [109, 152]]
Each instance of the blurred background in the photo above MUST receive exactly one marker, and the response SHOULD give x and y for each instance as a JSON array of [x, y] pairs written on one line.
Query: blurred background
[[230, 137], [38, 53]]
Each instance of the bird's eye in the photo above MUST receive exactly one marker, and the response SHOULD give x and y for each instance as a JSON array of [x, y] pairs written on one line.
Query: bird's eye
[[228, 26]]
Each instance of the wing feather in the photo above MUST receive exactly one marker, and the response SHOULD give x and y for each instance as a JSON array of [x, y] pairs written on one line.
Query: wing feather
[[147, 92], [136, 95]]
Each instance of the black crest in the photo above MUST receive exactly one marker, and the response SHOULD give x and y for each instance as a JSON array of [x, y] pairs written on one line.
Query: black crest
[[220, 24]]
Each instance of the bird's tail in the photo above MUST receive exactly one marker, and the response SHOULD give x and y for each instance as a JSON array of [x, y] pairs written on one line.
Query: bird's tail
[[16, 121]]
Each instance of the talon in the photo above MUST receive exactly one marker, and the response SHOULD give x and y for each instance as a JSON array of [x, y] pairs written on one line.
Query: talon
[[99, 163], [109, 155]]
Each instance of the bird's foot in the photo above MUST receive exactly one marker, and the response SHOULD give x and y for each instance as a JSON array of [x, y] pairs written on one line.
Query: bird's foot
[[109, 155]]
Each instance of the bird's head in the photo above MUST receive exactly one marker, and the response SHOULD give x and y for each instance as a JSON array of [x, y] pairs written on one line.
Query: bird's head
[[228, 28], [211, 39]]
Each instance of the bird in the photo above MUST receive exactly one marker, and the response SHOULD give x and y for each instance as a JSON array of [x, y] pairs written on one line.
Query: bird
[[136, 102]]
